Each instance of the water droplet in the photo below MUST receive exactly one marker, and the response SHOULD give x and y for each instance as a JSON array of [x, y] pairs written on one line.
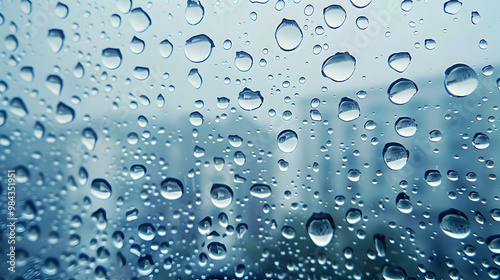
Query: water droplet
[[430, 44], [64, 113], [124, 6], [194, 78], [194, 12], [250, 100], [137, 45], [137, 171], [18, 108], [50, 267], [146, 232], [475, 17], [452, 7], [494, 244], [288, 232], [115, 21], [280, 5], [406, 127], [461, 80], [320, 228], [221, 195], [243, 61], [79, 72], [111, 58], [392, 272], [139, 20], [171, 189], [407, 5], [288, 35], [403, 203], [348, 109], [61, 10], [283, 165], [39, 130], [145, 265], [217, 251], [22, 175], [353, 175], [205, 225], [101, 189], [3, 117], [55, 39], [435, 136], [54, 84], [141, 73], [395, 155], [89, 138], [166, 48], [353, 216], [361, 3], [399, 61], [196, 118], [334, 16], [380, 247], [362, 22], [27, 74], [287, 141], [480, 141], [339, 67], [198, 48], [11, 42], [401, 91], [454, 224], [260, 191], [239, 158], [222, 102]]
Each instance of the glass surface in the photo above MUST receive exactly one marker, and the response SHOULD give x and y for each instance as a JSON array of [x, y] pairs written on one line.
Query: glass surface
[[236, 139]]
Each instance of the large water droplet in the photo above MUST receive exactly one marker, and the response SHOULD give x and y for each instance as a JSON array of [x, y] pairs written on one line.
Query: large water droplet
[[334, 16], [55, 39], [406, 127], [61, 10], [260, 191], [111, 58], [361, 3], [196, 118], [481, 141], [392, 272], [454, 224], [433, 177], [250, 100], [403, 203], [494, 244], [171, 189], [124, 6], [339, 67], [287, 141], [194, 12], [194, 78], [137, 171], [460, 80], [221, 195], [320, 228], [475, 17], [401, 91], [140, 73], [198, 48], [27, 74], [18, 108], [89, 138], [54, 84], [64, 113], [348, 109], [288, 35], [395, 155], [166, 48], [139, 20], [452, 7], [79, 71], [101, 189], [243, 61], [217, 251], [137, 45], [11, 42], [205, 225], [146, 232], [399, 61], [353, 216]]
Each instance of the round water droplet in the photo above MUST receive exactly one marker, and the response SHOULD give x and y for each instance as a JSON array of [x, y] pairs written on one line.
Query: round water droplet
[[288, 35], [11, 42], [353, 175], [140, 73], [89, 138], [430, 44], [137, 45], [124, 6], [361, 3], [401, 91], [399, 61], [320, 228], [145, 265], [243, 61], [452, 7], [64, 113], [260, 191], [194, 12], [194, 78], [111, 58], [55, 39], [283, 165], [461, 80], [403, 203], [22, 174], [494, 244], [54, 84], [339, 67], [392, 272], [308, 9], [348, 109], [250, 100], [18, 108], [27, 74], [334, 16], [433, 178], [362, 22], [196, 118], [406, 127], [61, 10], [287, 141], [288, 232], [217, 251], [171, 189], [407, 5], [147, 232], [353, 216], [101, 189], [166, 48], [198, 48], [79, 72], [481, 141], [137, 171], [475, 17], [435, 136], [50, 267], [395, 155], [454, 224], [221, 195], [139, 20]]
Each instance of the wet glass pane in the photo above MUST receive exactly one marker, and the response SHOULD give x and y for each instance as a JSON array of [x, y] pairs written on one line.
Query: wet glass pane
[[249, 139]]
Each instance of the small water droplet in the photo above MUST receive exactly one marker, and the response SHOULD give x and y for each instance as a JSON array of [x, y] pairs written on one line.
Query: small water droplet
[[480, 141], [217, 251], [139, 20], [348, 109], [288, 232], [137, 171], [475, 17], [334, 16], [64, 113], [392, 272], [137, 45], [260, 191], [11, 42], [406, 127], [288, 35], [198, 48], [79, 71], [27, 74], [287, 141], [166, 48], [194, 78], [196, 118], [361, 3], [221, 195], [61, 10], [407, 5], [18, 108], [55, 39], [403, 203], [54, 84], [320, 228], [401, 91], [353, 216], [111, 58], [250, 100], [452, 7], [101, 189], [171, 189], [362, 22], [399, 61], [395, 155], [494, 244], [146, 232], [194, 12], [461, 80], [89, 138], [243, 61], [339, 67]]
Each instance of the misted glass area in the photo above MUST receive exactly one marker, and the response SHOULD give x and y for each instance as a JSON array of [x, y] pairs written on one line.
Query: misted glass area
[[249, 139]]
